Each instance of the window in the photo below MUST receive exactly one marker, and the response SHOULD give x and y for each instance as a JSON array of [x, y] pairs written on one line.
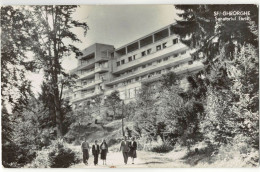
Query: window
[[149, 51], [175, 41], [158, 47], [143, 77], [143, 53], [164, 45], [122, 95], [144, 66], [159, 61], [183, 52], [175, 55], [149, 64], [134, 57], [190, 62], [158, 72], [137, 79], [129, 59], [176, 66], [118, 63], [131, 93], [127, 94], [166, 58], [123, 61]]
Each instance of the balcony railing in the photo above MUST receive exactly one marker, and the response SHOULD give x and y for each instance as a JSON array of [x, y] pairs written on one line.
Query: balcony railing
[[164, 64], [86, 64], [90, 84], [101, 69], [86, 95], [87, 74], [197, 65], [150, 57]]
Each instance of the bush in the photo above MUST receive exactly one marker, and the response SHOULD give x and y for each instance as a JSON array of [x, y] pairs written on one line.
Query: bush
[[15, 156], [112, 142], [62, 156], [163, 148]]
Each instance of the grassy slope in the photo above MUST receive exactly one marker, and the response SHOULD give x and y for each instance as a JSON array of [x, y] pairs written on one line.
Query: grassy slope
[[112, 130]]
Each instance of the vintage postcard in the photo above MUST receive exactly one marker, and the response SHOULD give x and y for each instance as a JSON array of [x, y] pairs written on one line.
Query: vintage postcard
[[130, 86]]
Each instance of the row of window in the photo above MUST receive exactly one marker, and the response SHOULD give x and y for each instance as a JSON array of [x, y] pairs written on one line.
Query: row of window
[[89, 81], [131, 71], [146, 52], [87, 61], [147, 76], [103, 64], [84, 71], [129, 93]]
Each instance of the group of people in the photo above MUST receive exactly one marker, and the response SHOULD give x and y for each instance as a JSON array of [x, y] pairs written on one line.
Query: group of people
[[128, 149]]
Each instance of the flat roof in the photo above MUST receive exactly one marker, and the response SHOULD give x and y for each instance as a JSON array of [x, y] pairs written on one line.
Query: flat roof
[[150, 34]]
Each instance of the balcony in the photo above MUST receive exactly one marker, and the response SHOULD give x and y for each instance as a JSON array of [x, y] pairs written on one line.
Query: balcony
[[185, 68], [89, 74], [86, 86], [101, 69], [159, 66], [89, 85], [86, 96], [151, 57], [87, 65]]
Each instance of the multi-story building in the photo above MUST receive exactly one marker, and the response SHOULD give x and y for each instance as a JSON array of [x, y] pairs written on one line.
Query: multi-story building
[[103, 69]]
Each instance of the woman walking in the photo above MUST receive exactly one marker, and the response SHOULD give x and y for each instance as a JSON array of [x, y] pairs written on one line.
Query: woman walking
[[133, 147], [104, 151]]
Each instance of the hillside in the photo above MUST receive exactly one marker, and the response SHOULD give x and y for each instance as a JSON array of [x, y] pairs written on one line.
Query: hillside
[[111, 131]]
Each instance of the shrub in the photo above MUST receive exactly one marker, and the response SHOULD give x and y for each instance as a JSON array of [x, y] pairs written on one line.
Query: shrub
[[41, 160], [62, 156], [112, 142], [163, 148]]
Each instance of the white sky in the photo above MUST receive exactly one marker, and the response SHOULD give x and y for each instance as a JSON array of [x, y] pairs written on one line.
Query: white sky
[[115, 25]]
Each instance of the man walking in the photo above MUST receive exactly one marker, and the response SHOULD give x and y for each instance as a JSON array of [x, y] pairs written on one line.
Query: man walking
[[125, 149], [95, 152], [85, 147]]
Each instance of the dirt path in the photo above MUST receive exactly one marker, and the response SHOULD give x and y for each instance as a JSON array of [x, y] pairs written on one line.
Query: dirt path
[[143, 160]]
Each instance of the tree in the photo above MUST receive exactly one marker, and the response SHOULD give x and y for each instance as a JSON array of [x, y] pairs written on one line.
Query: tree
[[112, 102], [219, 44], [244, 73], [199, 28], [234, 111], [15, 42], [15, 89], [169, 80], [50, 35], [147, 110]]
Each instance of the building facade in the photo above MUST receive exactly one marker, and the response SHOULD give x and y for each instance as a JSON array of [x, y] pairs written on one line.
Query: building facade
[[103, 69]]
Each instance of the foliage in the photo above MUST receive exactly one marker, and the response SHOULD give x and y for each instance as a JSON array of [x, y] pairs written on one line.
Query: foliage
[[235, 110], [163, 148], [147, 110], [198, 28], [169, 79], [52, 26], [15, 90], [61, 156], [15, 42], [112, 102]]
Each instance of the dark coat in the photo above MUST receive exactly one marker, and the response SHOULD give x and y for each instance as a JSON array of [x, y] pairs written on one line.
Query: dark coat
[[134, 146], [94, 150]]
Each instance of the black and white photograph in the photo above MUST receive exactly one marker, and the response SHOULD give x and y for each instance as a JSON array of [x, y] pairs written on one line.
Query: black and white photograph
[[130, 86]]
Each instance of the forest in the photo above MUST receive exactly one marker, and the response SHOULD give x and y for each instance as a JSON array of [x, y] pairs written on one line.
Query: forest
[[214, 118]]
